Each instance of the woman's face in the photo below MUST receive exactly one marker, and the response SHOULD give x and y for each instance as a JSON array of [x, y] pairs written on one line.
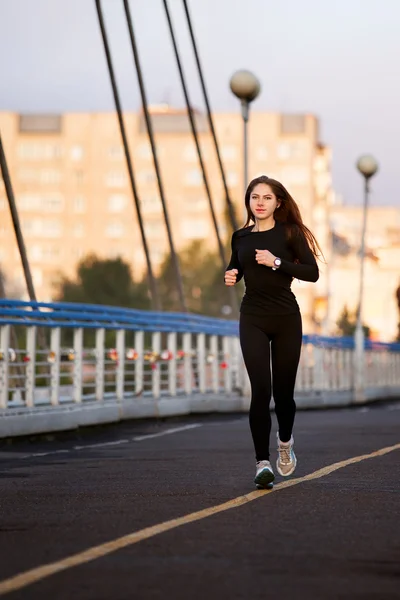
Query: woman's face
[[263, 201]]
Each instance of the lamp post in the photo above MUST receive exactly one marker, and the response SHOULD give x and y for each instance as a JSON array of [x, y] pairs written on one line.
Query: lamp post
[[367, 166], [246, 87]]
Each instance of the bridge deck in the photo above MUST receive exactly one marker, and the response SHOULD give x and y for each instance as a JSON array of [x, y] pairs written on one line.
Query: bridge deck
[[334, 536]]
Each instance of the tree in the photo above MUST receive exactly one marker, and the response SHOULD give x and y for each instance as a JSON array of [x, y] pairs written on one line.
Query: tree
[[347, 324], [107, 282], [203, 281]]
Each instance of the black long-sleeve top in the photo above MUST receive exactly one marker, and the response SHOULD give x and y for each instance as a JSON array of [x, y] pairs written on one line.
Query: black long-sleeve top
[[267, 291]]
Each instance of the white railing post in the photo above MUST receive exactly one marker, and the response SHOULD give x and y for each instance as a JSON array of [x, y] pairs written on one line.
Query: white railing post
[[120, 375], [30, 369], [214, 364], [187, 362], [139, 363], [4, 364], [55, 347], [201, 362], [237, 370], [318, 366], [156, 374], [171, 343], [78, 365], [100, 338], [227, 358]]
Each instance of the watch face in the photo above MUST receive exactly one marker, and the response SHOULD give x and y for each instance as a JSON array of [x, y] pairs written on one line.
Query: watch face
[[277, 262]]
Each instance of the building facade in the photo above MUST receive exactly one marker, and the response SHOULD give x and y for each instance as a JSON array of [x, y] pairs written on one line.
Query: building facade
[[74, 197]]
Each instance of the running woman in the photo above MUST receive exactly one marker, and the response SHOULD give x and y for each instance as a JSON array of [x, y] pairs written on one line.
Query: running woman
[[272, 249]]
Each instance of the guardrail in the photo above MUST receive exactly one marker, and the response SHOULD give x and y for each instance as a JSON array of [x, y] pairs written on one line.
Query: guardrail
[[124, 363]]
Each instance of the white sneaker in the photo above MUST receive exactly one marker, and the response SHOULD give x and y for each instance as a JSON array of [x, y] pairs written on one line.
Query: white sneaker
[[287, 461], [264, 475]]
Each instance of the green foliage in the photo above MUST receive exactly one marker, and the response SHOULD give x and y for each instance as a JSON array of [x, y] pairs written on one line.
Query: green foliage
[[347, 324], [203, 281], [107, 282]]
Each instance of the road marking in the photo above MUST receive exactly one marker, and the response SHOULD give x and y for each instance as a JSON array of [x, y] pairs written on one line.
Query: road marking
[[137, 438], [29, 577]]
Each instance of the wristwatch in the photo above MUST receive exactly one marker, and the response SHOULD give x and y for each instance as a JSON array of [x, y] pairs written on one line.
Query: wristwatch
[[277, 263]]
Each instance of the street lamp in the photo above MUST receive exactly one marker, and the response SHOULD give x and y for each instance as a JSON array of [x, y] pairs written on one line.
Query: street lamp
[[367, 166], [246, 87]]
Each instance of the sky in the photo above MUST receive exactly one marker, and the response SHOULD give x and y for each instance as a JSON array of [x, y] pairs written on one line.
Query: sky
[[336, 59]]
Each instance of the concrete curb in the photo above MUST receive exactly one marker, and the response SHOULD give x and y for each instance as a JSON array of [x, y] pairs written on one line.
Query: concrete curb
[[46, 419]]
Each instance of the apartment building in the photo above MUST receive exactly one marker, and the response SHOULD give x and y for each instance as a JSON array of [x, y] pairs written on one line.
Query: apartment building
[[74, 197]]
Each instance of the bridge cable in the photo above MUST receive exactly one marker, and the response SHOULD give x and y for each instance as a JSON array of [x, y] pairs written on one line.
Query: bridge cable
[[229, 202], [155, 297], [150, 132], [16, 224], [233, 301]]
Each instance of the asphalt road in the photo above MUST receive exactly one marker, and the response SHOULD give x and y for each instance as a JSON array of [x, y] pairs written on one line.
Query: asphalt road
[[333, 537]]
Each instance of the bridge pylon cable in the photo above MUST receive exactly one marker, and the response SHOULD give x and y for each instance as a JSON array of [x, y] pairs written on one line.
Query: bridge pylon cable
[[232, 298], [155, 297], [229, 203], [150, 132]]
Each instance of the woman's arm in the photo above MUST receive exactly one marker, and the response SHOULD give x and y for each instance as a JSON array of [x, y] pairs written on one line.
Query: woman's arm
[[234, 262], [305, 267]]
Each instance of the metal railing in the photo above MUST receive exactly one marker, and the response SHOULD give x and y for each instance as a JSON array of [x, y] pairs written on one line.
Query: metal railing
[[94, 353]]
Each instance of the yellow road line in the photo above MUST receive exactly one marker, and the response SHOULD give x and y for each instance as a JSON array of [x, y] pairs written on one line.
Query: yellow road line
[[24, 579]]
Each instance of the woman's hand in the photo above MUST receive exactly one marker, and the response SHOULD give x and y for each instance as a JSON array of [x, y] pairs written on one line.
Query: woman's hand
[[230, 277], [265, 257]]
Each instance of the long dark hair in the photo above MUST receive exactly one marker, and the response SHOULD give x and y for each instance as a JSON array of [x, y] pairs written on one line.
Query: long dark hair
[[288, 212]]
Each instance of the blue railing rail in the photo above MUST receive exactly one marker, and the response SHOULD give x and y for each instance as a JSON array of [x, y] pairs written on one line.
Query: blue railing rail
[[94, 316]]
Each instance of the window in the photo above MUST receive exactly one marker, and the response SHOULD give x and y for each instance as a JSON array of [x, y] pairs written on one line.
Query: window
[[32, 151], [78, 253], [190, 153], [117, 202], [35, 253], [193, 178], [154, 228], [52, 228], [116, 179], [146, 177], [292, 150], [27, 175], [29, 202], [50, 176], [78, 230], [79, 177], [229, 153], [76, 153], [295, 176], [196, 204], [79, 204], [144, 151], [232, 179], [115, 152], [51, 252], [194, 229], [37, 276], [151, 203], [262, 153], [114, 253], [32, 227], [157, 256], [115, 230], [53, 203]]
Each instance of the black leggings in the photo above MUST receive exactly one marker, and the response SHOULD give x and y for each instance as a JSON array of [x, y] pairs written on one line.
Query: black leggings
[[284, 333]]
